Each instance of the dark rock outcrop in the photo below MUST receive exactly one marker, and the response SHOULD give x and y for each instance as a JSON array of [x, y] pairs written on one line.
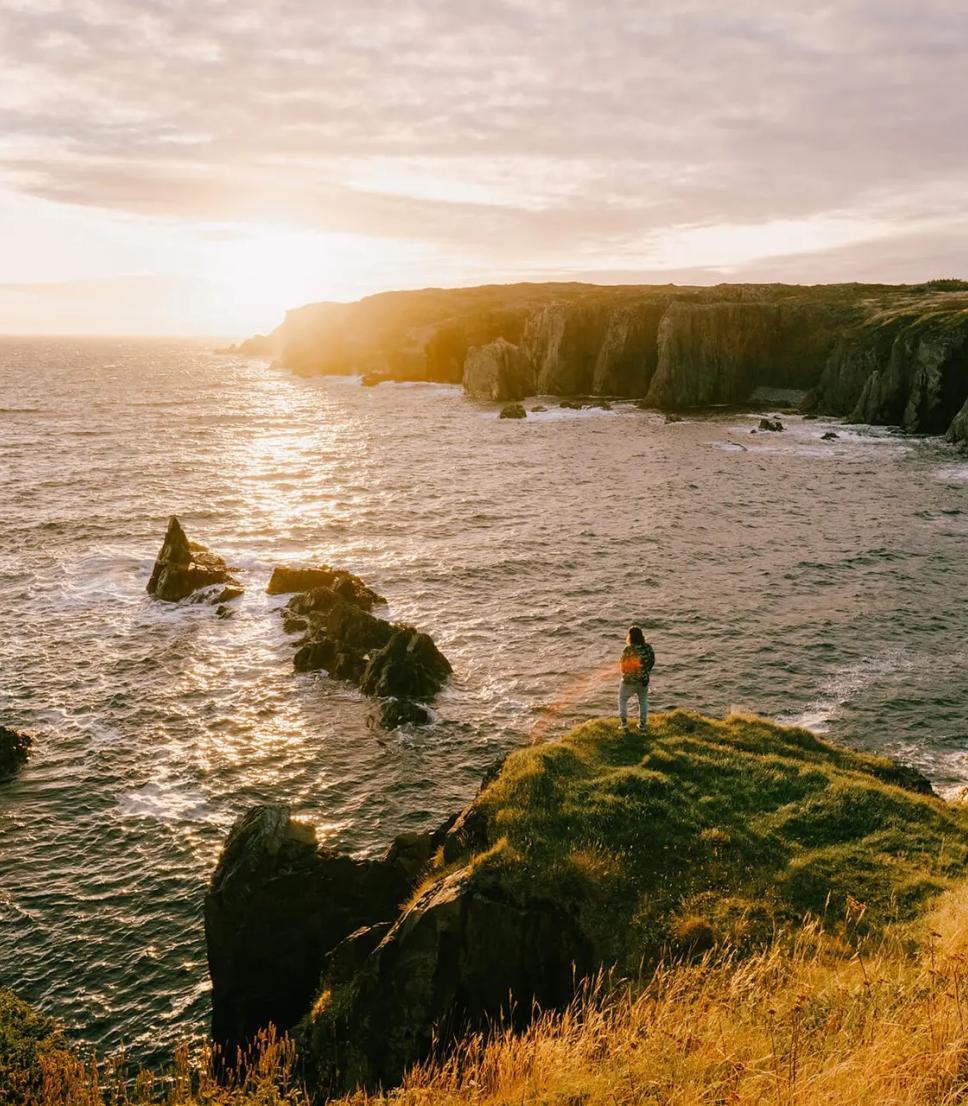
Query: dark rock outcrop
[[14, 751], [184, 568], [277, 903], [905, 366], [773, 425], [456, 958], [287, 579], [497, 371], [513, 411], [341, 636], [401, 712], [409, 666], [958, 430]]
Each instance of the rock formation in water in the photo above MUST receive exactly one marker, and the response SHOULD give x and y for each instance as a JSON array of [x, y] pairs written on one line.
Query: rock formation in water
[[184, 568], [286, 580], [874, 353], [339, 634], [596, 851], [497, 371], [14, 751]]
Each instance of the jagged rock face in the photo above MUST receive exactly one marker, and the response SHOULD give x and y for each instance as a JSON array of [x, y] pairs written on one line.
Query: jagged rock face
[[409, 666], [277, 903], [908, 370], [448, 964], [958, 431], [562, 344], [287, 579], [715, 353], [341, 636], [497, 371], [184, 567], [14, 751], [628, 356]]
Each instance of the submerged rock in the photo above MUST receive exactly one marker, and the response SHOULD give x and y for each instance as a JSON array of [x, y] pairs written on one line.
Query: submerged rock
[[672, 418], [830, 436], [771, 424], [184, 568], [513, 411], [277, 903], [287, 579], [14, 751], [402, 712]]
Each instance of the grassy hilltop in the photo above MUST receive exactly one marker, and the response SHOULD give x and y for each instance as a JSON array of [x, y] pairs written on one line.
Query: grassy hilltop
[[790, 920], [607, 849], [713, 831]]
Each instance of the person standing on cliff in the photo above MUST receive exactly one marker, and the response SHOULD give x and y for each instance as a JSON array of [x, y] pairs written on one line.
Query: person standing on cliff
[[638, 660]]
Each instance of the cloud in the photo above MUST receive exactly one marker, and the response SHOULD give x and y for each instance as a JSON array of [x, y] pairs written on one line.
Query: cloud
[[553, 131]]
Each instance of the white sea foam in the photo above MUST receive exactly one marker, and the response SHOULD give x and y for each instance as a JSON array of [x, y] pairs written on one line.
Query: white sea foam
[[167, 802]]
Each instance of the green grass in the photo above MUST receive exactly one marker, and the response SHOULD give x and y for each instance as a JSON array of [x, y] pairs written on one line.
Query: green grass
[[27, 1039], [732, 826]]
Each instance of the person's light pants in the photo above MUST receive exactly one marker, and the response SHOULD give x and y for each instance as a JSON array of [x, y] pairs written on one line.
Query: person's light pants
[[636, 691]]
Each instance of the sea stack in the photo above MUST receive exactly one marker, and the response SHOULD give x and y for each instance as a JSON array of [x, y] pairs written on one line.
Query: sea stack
[[14, 750], [184, 568]]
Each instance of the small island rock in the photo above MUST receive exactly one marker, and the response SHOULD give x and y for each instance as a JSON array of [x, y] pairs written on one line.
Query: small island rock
[[184, 568], [287, 579], [14, 750], [513, 411]]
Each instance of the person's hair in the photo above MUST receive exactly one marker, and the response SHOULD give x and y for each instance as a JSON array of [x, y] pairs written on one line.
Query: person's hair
[[636, 637]]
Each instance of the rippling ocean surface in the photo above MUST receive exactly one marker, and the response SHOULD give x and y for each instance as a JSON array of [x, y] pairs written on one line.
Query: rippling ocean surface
[[812, 581]]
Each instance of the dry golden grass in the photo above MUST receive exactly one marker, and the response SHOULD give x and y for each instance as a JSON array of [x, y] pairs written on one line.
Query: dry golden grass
[[810, 1021], [807, 1023], [265, 1079]]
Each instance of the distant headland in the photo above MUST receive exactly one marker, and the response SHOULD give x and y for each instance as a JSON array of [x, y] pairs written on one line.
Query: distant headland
[[873, 353]]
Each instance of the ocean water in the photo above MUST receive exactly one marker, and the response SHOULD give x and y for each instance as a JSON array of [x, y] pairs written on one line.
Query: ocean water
[[816, 582]]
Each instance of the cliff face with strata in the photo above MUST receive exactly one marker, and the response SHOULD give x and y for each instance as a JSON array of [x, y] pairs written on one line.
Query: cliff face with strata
[[874, 353]]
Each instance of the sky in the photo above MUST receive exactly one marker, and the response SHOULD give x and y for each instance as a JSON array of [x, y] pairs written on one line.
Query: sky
[[172, 167]]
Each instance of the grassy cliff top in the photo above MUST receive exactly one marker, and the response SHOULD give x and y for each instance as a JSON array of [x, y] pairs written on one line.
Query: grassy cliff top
[[708, 831]]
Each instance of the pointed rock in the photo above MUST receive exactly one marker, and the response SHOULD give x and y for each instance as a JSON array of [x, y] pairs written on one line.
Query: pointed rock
[[184, 567]]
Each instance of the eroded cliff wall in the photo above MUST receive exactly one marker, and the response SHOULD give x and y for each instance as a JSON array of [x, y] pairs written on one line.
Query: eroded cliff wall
[[874, 353]]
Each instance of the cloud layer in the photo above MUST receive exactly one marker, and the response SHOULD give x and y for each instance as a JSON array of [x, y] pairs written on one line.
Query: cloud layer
[[551, 134]]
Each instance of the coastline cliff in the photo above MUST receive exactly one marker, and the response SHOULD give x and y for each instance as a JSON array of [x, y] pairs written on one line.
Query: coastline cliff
[[882, 354], [600, 851]]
